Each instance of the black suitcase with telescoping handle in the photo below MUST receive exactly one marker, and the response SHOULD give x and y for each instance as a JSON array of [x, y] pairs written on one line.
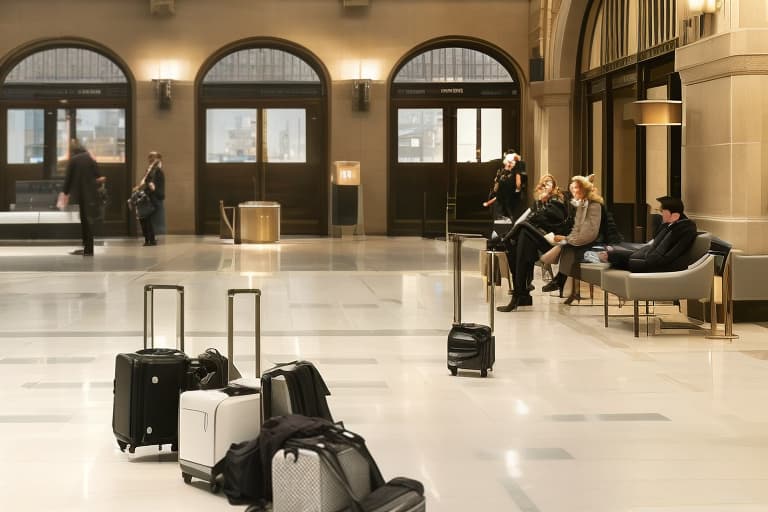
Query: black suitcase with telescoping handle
[[148, 383], [470, 346]]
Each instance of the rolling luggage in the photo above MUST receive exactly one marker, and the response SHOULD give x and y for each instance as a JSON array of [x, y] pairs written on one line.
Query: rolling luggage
[[211, 420], [326, 473], [470, 346], [148, 383]]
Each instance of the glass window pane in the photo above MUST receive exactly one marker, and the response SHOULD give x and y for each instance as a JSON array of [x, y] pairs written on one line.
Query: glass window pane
[[66, 65], [230, 135], [490, 134], [102, 132], [420, 135], [25, 136], [285, 132], [597, 143], [453, 64], [466, 134], [258, 65], [62, 140]]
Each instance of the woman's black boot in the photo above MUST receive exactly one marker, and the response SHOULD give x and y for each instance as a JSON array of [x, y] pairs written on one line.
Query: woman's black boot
[[517, 300], [557, 283]]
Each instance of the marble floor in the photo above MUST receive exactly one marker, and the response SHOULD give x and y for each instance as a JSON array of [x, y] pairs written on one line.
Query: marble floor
[[575, 417]]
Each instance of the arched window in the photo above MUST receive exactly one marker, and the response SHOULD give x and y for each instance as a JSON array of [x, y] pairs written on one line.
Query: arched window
[[627, 54], [66, 66], [443, 65], [261, 65]]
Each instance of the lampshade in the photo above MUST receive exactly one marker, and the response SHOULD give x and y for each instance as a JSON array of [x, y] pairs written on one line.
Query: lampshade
[[346, 173], [654, 112]]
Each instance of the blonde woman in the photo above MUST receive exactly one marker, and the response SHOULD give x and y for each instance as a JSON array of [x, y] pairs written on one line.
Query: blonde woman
[[587, 216]]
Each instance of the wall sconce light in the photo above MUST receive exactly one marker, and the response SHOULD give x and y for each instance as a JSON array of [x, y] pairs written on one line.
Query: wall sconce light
[[163, 92], [361, 93], [655, 112], [697, 7]]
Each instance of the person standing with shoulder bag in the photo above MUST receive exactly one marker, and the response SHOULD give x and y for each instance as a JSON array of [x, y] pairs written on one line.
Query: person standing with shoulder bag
[[153, 185]]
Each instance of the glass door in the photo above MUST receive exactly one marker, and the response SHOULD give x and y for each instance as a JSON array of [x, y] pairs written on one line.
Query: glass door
[[445, 160], [264, 153], [479, 133]]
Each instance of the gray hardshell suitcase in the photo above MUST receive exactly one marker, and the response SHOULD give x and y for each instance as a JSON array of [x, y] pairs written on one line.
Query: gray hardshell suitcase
[[303, 482]]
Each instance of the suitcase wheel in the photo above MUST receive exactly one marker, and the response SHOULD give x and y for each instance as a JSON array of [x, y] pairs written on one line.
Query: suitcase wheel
[[131, 449], [186, 477], [454, 370], [483, 372], [122, 445], [215, 487], [174, 447]]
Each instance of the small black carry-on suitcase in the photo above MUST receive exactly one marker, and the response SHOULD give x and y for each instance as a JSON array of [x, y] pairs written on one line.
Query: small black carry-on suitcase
[[470, 346], [147, 386]]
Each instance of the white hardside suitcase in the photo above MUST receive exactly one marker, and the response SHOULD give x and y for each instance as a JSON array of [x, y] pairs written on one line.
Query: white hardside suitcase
[[304, 483], [211, 420]]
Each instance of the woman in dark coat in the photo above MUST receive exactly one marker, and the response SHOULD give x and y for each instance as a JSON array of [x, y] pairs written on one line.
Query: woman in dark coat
[[526, 240], [153, 184]]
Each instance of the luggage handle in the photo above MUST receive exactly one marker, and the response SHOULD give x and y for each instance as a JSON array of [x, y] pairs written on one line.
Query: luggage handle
[[149, 316], [458, 240], [231, 327]]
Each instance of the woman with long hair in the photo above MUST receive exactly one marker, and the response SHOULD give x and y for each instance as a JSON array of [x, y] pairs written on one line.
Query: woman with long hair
[[587, 217], [527, 239]]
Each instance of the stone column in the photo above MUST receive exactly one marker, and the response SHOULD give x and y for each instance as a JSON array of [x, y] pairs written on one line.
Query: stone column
[[725, 136], [552, 129]]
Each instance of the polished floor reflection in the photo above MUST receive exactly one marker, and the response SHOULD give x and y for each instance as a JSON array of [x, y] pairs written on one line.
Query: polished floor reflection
[[575, 417]]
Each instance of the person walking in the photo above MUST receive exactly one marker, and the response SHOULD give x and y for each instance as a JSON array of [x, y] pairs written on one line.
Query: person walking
[[80, 187]]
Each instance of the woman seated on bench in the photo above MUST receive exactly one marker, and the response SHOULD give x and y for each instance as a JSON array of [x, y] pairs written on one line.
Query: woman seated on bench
[[523, 243], [586, 228]]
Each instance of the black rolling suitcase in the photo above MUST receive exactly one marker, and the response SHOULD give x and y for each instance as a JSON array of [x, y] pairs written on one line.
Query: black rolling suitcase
[[470, 346], [147, 386]]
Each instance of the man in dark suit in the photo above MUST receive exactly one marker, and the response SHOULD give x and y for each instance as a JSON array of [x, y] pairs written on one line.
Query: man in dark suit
[[80, 187], [667, 251]]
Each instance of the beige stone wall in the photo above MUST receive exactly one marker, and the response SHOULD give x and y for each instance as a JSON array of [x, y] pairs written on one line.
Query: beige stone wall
[[346, 41], [725, 136]]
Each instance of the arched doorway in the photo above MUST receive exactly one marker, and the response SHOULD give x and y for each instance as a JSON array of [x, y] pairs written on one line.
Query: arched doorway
[[454, 108], [263, 134], [49, 93]]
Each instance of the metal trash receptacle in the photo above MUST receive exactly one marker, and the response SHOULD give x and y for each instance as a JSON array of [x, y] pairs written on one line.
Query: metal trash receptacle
[[259, 222]]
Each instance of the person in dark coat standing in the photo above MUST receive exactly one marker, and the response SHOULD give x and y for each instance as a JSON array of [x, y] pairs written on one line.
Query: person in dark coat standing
[[153, 183], [80, 187], [668, 249], [507, 196]]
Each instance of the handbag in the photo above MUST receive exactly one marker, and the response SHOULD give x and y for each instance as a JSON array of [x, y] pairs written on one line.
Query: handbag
[[142, 204], [552, 256]]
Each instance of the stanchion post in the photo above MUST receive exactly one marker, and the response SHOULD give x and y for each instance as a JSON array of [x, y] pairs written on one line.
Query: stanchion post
[[727, 300]]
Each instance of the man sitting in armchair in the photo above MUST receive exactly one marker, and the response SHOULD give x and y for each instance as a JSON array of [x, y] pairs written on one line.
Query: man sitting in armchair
[[667, 251]]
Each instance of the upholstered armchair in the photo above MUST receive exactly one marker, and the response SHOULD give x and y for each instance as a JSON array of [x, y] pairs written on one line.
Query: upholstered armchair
[[694, 283]]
